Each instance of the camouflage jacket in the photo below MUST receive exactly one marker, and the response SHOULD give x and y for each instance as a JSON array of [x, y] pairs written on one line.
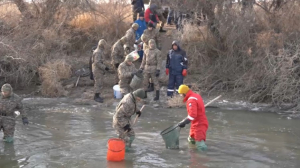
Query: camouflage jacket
[[154, 34], [118, 52], [124, 111], [124, 73], [145, 46], [98, 61], [130, 34], [9, 105], [151, 60]]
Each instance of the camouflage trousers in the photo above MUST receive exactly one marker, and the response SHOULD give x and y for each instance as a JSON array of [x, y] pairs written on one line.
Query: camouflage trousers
[[154, 79], [116, 66], [98, 78], [7, 124], [122, 134]]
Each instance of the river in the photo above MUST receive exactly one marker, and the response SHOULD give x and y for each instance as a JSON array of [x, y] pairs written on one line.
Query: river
[[235, 139]]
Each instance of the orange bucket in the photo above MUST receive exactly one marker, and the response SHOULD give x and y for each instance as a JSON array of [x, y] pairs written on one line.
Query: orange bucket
[[116, 150]]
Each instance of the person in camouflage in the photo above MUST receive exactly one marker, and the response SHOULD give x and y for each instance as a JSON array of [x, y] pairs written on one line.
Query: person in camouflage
[[122, 117], [130, 35], [117, 55], [9, 103], [98, 69], [145, 40], [159, 11], [151, 67], [126, 71], [152, 33]]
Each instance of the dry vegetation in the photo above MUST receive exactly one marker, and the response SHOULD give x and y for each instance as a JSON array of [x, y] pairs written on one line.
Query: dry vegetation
[[34, 35], [252, 51], [249, 48], [51, 74]]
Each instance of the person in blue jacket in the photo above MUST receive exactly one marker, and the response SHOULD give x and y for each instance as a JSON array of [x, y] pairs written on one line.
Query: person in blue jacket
[[142, 26], [176, 66]]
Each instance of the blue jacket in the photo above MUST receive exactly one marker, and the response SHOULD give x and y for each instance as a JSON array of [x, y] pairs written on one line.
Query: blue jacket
[[176, 61], [142, 26], [137, 5]]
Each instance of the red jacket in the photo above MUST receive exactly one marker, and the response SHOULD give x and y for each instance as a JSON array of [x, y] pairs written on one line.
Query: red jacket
[[147, 15], [196, 114]]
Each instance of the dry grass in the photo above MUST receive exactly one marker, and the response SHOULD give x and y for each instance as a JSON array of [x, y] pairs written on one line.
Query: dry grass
[[10, 14], [51, 75], [175, 101], [72, 35], [257, 54]]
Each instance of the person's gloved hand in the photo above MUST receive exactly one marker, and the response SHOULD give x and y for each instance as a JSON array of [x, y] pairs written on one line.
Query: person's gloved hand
[[127, 49], [127, 128], [167, 71], [184, 72], [138, 113], [140, 70], [183, 123], [132, 74], [106, 69], [25, 121], [157, 73]]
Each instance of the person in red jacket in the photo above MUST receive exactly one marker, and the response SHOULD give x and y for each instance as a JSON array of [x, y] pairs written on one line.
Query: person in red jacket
[[151, 16], [196, 115]]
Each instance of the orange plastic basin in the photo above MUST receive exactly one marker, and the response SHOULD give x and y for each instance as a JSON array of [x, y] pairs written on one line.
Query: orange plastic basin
[[116, 150]]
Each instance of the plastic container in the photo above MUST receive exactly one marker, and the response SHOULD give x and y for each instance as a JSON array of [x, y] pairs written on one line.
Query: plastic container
[[117, 92], [115, 150], [171, 137], [135, 55], [136, 81]]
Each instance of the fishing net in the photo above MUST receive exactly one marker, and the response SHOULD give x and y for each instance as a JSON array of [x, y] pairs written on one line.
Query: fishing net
[[171, 137]]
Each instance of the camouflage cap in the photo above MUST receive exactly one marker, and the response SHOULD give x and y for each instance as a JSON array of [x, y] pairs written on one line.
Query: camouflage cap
[[152, 44], [135, 26], [129, 58], [102, 43], [139, 93], [145, 38], [6, 88]]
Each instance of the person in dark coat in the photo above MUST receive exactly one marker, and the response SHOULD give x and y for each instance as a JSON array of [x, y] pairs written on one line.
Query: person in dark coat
[[137, 7], [176, 66]]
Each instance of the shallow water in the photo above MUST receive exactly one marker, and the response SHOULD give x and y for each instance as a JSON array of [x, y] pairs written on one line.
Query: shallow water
[[234, 139]]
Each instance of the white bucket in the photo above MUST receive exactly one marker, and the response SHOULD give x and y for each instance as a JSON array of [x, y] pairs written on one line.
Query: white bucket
[[117, 92]]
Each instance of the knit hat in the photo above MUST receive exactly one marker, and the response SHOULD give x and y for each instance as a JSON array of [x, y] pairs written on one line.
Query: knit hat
[[150, 24], [6, 88], [141, 14], [139, 93], [183, 89], [129, 58]]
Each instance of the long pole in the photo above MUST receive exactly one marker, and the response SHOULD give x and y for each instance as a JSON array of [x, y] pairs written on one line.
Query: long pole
[[137, 115], [213, 100]]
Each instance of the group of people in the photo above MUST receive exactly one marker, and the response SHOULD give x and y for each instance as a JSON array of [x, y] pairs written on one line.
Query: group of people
[[195, 109], [141, 32]]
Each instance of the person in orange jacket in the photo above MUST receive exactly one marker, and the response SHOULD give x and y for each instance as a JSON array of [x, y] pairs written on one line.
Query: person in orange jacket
[[196, 116], [176, 66]]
